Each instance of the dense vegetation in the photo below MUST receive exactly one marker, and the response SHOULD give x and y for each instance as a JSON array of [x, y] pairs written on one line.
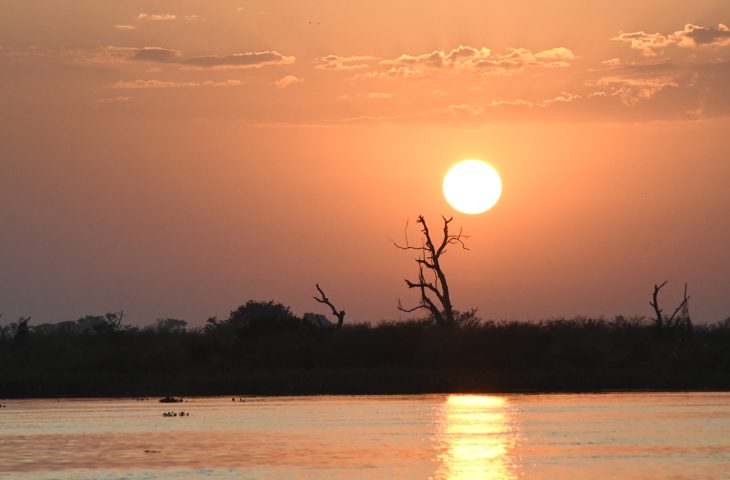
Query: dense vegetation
[[262, 348]]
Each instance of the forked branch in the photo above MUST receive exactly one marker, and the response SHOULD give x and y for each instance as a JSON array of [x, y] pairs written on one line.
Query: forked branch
[[340, 314], [662, 321]]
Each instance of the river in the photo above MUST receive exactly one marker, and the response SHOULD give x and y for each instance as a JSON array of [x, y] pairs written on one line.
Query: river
[[500, 437]]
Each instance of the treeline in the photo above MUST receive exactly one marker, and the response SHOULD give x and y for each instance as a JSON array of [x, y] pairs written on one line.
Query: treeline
[[262, 348]]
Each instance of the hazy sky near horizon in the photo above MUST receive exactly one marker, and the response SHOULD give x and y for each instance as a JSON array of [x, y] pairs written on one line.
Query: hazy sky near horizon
[[178, 158]]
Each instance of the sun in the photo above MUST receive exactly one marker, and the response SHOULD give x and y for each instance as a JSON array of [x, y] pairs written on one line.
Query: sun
[[472, 186]]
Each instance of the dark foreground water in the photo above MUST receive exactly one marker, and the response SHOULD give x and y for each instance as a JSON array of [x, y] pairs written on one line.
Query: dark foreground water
[[607, 436]]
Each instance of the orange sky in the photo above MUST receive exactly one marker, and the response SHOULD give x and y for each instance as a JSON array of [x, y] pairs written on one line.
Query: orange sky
[[177, 158]]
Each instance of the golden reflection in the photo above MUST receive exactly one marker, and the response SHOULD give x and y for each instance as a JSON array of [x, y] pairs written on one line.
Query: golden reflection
[[476, 435]]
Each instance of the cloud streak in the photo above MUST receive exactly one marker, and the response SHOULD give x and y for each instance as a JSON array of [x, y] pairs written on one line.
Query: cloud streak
[[146, 84], [175, 57], [156, 17], [691, 36], [287, 81], [460, 59], [339, 63]]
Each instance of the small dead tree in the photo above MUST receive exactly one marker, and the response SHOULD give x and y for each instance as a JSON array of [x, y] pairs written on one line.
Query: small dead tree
[[662, 322], [22, 330], [431, 283], [340, 314]]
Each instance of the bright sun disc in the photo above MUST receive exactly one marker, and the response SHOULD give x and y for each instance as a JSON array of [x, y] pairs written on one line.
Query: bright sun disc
[[472, 186]]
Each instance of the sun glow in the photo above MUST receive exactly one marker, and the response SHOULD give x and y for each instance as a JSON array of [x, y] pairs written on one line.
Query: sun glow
[[477, 437], [472, 186]]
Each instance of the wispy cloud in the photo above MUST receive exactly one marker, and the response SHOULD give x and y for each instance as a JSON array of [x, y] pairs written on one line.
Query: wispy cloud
[[175, 57], [691, 36], [125, 27], [242, 60], [287, 81], [143, 84], [632, 90], [467, 58], [156, 17], [102, 102], [340, 63], [380, 95]]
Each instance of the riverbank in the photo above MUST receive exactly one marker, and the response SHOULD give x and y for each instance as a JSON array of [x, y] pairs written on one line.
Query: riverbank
[[358, 382], [393, 358]]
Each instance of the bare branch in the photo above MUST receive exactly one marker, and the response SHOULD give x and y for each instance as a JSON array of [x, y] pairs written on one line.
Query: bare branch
[[655, 303], [681, 305], [409, 310], [407, 247], [340, 314]]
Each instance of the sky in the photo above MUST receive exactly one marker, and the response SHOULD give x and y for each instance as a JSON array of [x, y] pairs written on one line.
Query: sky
[[178, 158]]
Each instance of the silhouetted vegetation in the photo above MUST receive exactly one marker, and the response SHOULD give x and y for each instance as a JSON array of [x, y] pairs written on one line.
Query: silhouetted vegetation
[[263, 348], [432, 285]]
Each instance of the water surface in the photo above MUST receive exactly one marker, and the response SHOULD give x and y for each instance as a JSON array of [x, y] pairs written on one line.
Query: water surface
[[606, 436]]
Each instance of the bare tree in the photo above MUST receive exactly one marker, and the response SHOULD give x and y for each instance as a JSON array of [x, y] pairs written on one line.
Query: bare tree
[[431, 283], [662, 322], [21, 331], [340, 314]]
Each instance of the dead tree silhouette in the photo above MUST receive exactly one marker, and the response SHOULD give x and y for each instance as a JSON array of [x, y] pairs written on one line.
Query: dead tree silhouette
[[662, 322], [21, 331], [340, 314], [435, 294]]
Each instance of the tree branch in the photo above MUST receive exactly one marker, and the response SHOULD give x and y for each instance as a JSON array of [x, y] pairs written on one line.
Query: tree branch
[[340, 314], [655, 303], [681, 305]]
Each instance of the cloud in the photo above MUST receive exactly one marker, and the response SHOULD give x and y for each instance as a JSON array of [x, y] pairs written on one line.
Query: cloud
[[467, 58], [380, 95], [125, 27], [632, 90], [625, 92], [170, 56], [156, 54], [691, 36], [440, 93], [141, 84], [338, 63], [288, 81], [102, 102], [156, 17], [238, 60]]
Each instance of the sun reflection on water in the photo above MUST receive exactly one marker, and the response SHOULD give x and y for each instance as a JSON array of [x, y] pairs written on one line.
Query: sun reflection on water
[[476, 436]]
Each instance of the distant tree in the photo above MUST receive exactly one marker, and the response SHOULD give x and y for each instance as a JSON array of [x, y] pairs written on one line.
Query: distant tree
[[256, 316], [101, 324], [432, 283], [340, 314], [213, 324], [169, 325], [89, 323], [662, 322], [21, 330]]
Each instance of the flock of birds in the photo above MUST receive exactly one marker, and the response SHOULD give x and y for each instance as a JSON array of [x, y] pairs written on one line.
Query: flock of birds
[[176, 414]]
